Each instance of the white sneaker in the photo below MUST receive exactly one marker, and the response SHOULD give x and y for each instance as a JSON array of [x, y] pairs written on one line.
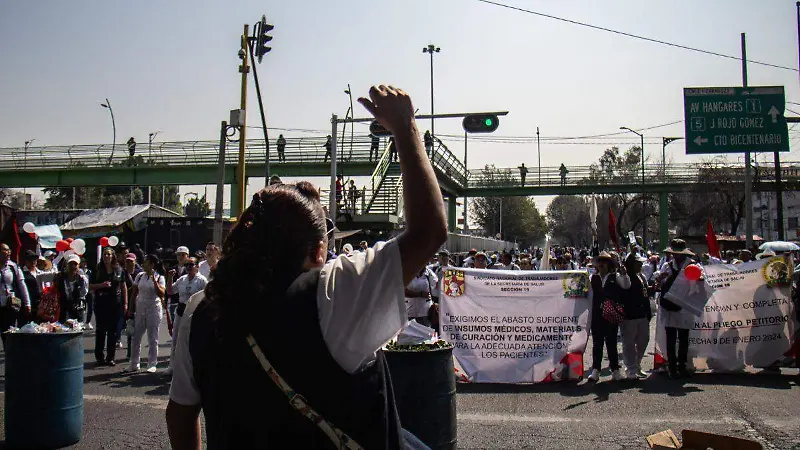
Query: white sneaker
[[131, 369], [151, 369], [617, 375], [88, 326], [631, 374], [641, 373], [594, 377]]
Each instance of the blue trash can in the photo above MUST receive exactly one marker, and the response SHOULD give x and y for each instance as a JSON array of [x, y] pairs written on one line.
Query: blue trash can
[[44, 389]]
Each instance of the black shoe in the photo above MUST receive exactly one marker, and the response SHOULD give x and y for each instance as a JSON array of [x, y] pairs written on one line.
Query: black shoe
[[684, 373], [111, 363], [673, 374], [100, 361]]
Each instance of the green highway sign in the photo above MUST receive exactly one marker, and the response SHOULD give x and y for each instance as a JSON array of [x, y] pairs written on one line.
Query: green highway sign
[[735, 119]]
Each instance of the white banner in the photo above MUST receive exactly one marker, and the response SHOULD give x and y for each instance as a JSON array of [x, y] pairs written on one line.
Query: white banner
[[748, 321], [515, 326]]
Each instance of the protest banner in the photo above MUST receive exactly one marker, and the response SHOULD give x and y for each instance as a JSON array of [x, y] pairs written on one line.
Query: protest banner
[[748, 321], [514, 326]]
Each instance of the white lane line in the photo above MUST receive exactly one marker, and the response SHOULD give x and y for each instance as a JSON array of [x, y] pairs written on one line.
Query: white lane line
[[499, 418], [153, 402]]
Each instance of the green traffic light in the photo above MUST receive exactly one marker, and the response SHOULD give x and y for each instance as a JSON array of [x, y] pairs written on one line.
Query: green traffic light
[[488, 122]]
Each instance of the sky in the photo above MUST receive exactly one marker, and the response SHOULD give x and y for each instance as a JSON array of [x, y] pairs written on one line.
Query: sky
[[172, 67]]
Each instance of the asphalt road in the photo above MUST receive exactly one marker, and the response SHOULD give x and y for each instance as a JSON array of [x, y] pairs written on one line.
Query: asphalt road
[[127, 411]]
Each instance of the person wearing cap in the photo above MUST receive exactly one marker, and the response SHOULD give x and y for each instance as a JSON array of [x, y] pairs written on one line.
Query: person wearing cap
[[131, 270], [481, 261], [72, 288], [419, 296], [607, 283], [636, 326], [677, 322], [182, 254], [745, 255], [469, 261]]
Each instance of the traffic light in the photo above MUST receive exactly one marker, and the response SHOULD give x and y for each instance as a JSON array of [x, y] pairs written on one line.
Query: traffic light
[[378, 130], [262, 38], [480, 123]]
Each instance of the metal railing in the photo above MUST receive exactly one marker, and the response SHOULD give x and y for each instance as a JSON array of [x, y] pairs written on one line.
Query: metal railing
[[595, 175], [296, 151], [452, 167], [379, 175]]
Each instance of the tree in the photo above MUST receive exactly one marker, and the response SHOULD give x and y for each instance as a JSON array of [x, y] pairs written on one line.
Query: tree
[[568, 220], [197, 207], [522, 221]]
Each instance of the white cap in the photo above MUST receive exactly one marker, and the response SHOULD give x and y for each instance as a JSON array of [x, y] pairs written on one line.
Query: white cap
[[182, 249], [73, 258]]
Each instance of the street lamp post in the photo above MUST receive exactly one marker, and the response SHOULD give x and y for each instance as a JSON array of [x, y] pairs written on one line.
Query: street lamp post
[[431, 49], [644, 199], [664, 143], [107, 104], [349, 92]]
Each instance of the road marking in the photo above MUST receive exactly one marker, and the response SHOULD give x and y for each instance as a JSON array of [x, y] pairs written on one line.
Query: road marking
[[499, 418], [153, 402]]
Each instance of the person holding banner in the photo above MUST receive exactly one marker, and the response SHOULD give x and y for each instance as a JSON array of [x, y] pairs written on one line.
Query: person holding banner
[[677, 322], [607, 285], [636, 326]]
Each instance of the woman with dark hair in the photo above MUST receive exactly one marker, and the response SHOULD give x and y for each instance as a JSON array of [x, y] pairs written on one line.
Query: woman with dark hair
[[282, 348], [146, 307], [110, 299]]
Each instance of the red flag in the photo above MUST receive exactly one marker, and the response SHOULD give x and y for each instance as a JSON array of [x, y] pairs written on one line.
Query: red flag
[[612, 228], [711, 239], [16, 246]]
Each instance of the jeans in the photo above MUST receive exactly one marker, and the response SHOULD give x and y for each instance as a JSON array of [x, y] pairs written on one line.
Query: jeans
[[89, 308], [680, 337], [605, 334], [8, 318], [635, 337], [107, 320]]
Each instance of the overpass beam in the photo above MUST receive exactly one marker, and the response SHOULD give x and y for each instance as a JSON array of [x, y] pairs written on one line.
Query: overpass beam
[[451, 213], [663, 219]]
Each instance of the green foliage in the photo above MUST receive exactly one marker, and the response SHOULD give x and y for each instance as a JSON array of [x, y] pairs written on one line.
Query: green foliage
[[522, 221], [197, 207], [568, 220]]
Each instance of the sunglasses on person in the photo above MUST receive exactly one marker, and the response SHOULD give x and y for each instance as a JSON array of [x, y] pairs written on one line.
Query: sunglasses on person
[[189, 265]]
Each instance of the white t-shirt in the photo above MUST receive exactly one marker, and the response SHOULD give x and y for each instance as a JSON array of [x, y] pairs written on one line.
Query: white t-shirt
[[186, 288], [364, 311], [419, 306], [204, 268], [147, 292]]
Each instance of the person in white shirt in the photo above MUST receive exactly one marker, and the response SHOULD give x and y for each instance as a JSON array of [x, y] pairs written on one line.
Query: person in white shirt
[[506, 263], [147, 301], [419, 296], [213, 253], [185, 287], [296, 319], [443, 260]]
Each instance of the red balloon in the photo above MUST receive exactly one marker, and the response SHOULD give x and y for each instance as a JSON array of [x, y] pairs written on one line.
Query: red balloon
[[62, 246], [104, 241], [693, 272], [69, 240]]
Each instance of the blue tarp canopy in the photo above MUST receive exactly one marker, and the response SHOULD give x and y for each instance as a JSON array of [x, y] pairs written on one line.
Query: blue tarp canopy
[[48, 235]]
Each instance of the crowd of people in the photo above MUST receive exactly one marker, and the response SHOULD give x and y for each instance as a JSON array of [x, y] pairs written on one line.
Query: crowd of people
[[128, 293]]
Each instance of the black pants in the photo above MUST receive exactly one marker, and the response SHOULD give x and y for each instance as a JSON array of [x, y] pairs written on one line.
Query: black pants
[[8, 318], [107, 319], [681, 337], [604, 333]]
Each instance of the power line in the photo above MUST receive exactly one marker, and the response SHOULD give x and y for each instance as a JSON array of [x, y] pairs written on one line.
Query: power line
[[635, 36]]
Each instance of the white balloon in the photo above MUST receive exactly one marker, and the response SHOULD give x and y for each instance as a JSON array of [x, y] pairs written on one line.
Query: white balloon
[[113, 241], [80, 248], [78, 243], [29, 227]]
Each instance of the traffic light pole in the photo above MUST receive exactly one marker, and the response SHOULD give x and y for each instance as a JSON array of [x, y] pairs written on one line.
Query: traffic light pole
[[332, 206], [241, 184], [428, 116]]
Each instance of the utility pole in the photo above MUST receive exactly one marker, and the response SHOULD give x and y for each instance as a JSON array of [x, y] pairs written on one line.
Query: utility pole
[[431, 49], [539, 153], [332, 206], [644, 198], [466, 171], [241, 184], [748, 179], [220, 194]]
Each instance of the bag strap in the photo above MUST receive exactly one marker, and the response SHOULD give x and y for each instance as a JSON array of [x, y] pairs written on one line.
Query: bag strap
[[298, 402]]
